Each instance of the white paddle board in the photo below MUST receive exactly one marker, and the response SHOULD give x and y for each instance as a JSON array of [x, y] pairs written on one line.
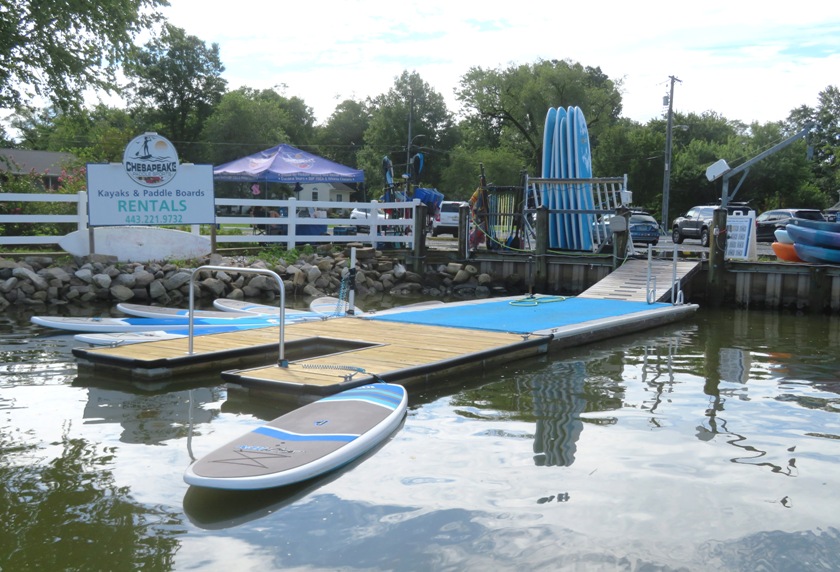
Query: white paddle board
[[305, 443], [174, 333], [331, 306], [106, 325], [137, 243], [231, 305], [143, 311]]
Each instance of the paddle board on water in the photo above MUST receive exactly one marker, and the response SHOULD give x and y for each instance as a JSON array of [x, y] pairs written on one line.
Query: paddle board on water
[[331, 306], [124, 338], [143, 311], [174, 333], [583, 168], [106, 325], [137, 243], [305, 443]]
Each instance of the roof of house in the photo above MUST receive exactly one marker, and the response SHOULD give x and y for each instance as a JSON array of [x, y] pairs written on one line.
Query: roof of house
[[24, 161]]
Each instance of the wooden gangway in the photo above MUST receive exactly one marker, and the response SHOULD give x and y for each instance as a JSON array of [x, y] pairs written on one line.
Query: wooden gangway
[[632, 280]]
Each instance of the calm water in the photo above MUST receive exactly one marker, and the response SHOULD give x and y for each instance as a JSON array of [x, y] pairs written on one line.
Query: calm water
[[713, 444]]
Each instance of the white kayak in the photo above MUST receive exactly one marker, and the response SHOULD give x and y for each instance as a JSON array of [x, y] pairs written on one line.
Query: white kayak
[[306, 442]]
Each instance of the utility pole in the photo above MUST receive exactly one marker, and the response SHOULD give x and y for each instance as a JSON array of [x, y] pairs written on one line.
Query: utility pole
[[666, 182]]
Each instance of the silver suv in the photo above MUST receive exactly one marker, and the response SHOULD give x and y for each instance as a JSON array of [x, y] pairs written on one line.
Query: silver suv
[[446, 219], [698, 220]]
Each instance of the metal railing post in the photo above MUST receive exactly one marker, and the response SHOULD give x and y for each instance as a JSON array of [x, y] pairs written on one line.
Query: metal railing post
[[282, 350]]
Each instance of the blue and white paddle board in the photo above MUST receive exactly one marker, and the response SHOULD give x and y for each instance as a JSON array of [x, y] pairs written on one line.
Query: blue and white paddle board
[[548, 142], [305, 443], [546, 194], [144, 311], [571, 194], [105, 325], [583, 168], [556, 219]]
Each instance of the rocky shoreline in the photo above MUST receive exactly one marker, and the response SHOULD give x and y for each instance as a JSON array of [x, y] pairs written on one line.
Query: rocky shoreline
[[35, 280]]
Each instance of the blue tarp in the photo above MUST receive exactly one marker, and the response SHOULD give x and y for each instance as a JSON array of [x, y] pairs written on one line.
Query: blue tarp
[[286, 164]]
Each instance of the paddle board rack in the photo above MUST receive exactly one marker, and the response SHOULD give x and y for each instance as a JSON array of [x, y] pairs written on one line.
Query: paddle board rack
[[281, 360]]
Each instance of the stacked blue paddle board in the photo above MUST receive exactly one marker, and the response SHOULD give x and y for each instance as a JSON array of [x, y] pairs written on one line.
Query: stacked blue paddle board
[[566, 155]]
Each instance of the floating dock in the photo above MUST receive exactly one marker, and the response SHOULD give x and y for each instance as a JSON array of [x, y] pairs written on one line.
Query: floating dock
[[407, 345]]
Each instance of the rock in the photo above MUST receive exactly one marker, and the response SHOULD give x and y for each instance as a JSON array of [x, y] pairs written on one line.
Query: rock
[[102, 280], [121, 293], [22, 273]]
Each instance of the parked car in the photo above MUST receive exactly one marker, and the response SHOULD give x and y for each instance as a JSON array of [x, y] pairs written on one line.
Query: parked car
[[767, 222], [365, 214], [643, 228], [446, 218], [698, 220]]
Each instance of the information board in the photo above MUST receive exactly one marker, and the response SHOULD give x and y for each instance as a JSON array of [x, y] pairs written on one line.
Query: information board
[[740, 237], [150, 188]]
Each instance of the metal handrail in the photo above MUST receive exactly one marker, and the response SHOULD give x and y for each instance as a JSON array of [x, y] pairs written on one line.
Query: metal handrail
[[282, 354], [676, 291]]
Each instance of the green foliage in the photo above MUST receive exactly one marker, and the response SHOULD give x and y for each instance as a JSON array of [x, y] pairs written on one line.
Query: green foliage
[[247, 121], [507, 107], [502, 167], [97, 135], [56, 49], [341, 138], [432, 129], [32, 183], [177, 84]]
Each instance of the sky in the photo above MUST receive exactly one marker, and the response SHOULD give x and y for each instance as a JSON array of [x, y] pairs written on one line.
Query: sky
[[743, 59]]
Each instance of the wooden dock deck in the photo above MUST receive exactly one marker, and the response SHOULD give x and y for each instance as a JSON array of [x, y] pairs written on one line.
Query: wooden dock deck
[[407, 345], [341, 352], [629, 281]]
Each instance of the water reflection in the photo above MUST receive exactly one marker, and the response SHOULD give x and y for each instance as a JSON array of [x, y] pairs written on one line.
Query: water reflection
[[68, 513]]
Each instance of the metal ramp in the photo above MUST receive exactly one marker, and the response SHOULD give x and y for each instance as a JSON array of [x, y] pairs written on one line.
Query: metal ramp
[[645, 280]]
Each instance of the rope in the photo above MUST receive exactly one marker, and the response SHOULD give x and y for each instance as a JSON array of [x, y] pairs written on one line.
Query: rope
[[534, 301], [342, 295]]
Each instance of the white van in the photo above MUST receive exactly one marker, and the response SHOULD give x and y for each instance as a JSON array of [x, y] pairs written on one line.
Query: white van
[[446, 219]]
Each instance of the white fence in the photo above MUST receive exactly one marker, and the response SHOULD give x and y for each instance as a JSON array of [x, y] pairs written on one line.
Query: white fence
[[292, 222]]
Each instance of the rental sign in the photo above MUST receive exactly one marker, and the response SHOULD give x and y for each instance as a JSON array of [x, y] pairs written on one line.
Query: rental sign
[[150, 188]]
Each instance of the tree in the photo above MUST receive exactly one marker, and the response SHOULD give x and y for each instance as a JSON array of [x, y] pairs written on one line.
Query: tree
[[97, 135], [824, 138], [56, 50], [513, 102], [341, 138], [410, 105], [248, 120], [177, 84]]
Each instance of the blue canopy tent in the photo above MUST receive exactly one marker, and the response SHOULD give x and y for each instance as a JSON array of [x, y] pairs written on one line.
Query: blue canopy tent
[[286, 164]]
